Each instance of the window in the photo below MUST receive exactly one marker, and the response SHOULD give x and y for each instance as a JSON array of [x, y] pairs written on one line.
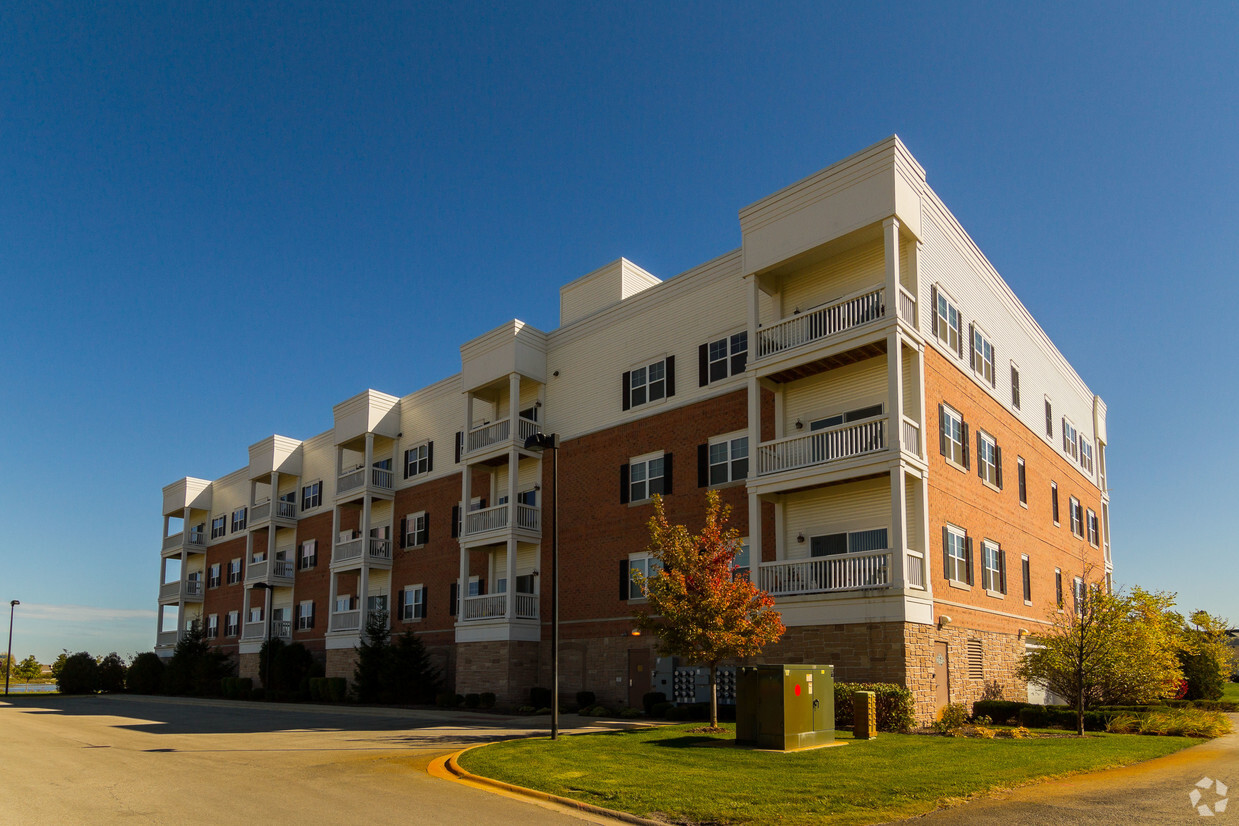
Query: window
[[311, 495], [952, 436], [643, 564], [645, 476], [741, 564], [528, 497], [1077, 517], [724, 459], [415, 530], [1015, 386], [982, 356], [1070, 445], [1105, 526], [993, 568], [238, 519], [1049, 419], [650, 383], [305, 615], [307, 557], [232, 624], [1091, 523], [1058, 588], [724, 357], [219, 526], [957, 555], [212, 627], [1054, 501], [946, 322], [234, 571], [850, 416], [530, 413], [1023, 479], [376, 603], [976, 660], [1026, 571], [417, 459], [213, 576], [1077, 593], [255, 614], [344, 602], [1086, 454], [848, 543], [989, 459], [413, 603]]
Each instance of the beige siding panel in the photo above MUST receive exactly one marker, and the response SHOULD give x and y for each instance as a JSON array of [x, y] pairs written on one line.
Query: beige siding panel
[[911, 393], [528, 474], [380, 583], [836, 391], [912, 528], [851, 507], [834, 278], [526, 557], [318, 464], [381, 513], [435, 414], [906, 276]]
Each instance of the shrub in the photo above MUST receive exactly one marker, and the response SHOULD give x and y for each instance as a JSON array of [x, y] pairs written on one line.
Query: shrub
[[896, 710], [629, 713], [1034, 716], [196, 668], [953, 718], [661, 709], [112, 673], [337, 689], [1203, 673], [79, 675], [586, 698], [540, 697], [145, 676], [473, 700], [445, 699], [1000, 711], [651, 699], [1182, 722], [488, 699]]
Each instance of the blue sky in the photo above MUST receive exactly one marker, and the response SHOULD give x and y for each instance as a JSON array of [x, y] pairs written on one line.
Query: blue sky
[[216, 221]]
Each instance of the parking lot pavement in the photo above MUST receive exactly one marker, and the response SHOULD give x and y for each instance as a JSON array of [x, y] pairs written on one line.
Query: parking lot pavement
[[109, 759]]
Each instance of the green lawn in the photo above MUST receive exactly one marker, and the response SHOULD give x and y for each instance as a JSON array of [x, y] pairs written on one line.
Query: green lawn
[[705, 778], [1230, 692]]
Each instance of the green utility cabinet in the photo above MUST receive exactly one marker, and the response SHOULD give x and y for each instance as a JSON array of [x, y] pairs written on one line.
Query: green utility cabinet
[[785, 707]]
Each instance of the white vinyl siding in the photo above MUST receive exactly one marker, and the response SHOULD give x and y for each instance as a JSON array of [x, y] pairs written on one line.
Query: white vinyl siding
[[855, 506], [848, 388], [433, 414], [849, 272]]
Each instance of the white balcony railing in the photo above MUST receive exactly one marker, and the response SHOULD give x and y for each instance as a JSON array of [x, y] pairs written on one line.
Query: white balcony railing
[[166, 638], [844, 572], [354, 479], [169, 590], [256, 571], [821, 446], [283, 569], [910, 439], [259, 511], [916, 569], [907, 307], [527, 606], [174, 541], [193, 588], [281, 629], [380, 549], [487, 519], [195, 539], [495, 606], [347, 551], [499, 432], [528, 517], [821, 322], [254, 630], [346, 620]]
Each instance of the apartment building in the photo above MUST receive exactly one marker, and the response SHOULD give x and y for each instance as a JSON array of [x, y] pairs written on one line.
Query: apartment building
[[918, 472]]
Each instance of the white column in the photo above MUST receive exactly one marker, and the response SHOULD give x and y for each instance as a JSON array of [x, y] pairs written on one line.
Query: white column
[[331, 575], [924, 528], [890, 234], [918, 376], [509, 610], [514, 402], [914, 267], [894, 375], [754, 532], [899, 518], [363, 576], [369, 459], [754, 315]]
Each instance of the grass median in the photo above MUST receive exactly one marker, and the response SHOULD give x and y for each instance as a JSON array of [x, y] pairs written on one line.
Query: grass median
[[681, 776]]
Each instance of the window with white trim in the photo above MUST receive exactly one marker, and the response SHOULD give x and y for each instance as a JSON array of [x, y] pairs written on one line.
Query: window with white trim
[[850, 542], [413, 603], [238, 519], [256, 614], [307, 554], [213, 575], [993, 568], [645, 565], [1026, 572], [234, 571], [1023, 479], [956, 555], [232, 624], [1070, 443], [728, 459], [983, 356], [1093, 533], [305, 615], [989, 459], [212, 626], [645, 477], [1015, 385], [416, 529], [648, 383], [952, 436], [1049, 419], [870, 411], [344, 602], [740, 564], [219, 527], [723, 357], [1077, 591], [1086, 454], [946, 323], [311, 495], [1054, 501], [1077, 517], [1058, 587], [417, 460]]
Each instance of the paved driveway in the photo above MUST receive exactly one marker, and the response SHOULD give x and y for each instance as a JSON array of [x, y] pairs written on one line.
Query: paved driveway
[[101, 760]]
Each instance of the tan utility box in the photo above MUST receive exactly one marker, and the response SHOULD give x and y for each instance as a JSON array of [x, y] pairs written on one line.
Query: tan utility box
[[785, 707]]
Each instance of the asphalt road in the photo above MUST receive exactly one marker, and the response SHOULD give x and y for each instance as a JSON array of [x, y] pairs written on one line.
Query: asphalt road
[[103, 760]]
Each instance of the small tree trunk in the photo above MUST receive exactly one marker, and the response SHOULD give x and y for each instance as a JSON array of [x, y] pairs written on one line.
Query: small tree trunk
[[713, 695], [1080, 713]]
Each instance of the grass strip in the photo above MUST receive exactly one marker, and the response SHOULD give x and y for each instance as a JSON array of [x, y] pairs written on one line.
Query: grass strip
[[681, 776]]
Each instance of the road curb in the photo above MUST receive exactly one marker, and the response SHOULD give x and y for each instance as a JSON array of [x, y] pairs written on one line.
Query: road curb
[[452, 765]]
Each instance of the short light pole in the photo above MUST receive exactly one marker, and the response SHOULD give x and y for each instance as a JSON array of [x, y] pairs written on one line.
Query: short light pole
[[266, 613], [8, 660], [541, 442]]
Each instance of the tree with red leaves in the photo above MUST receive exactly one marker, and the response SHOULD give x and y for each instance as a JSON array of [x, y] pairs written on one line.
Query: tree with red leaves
[[697, 606]]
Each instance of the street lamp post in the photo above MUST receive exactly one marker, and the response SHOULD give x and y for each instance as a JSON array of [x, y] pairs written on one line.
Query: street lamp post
[[266, 613], [8, 662], [540, 442]]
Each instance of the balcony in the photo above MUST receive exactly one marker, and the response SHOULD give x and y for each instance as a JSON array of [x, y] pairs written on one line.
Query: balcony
[[349, 553], [499, 434], [167, 639], [821, 324], [275, 572], [496, 521], [193, 540], [257, 631], [821, 447], [827, 574], [494, 606], [261, 512], [348, 620], [358, 480], [188, 591]]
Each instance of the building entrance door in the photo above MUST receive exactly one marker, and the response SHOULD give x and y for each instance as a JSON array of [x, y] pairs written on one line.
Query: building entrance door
[[639, 680], [942, 676]]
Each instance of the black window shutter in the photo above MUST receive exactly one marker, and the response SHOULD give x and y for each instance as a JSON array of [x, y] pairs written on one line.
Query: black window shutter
[[425, 596], [627, 385], [399, 606], [460, 442], [426, 529], [481, 587], [406, 464], [980, 467], [404, 528], [998, 464], [946, 552], [455, 521], [311, 615], [738, 362], [968, 557], [1002, 570], [667, 474], [670, 376], [972, 352], [941, 430], [703, 465], [430, 456], [454, 595], [623, 579], [964, 433], [933, 309], [703, 365], [624, 484]]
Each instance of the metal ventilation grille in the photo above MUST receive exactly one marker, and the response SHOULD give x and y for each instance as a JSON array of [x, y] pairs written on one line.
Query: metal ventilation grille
[[976, 660]]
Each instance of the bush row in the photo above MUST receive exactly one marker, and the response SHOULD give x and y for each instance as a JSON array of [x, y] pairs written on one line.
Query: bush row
[[896, 710], [1007, 711]]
